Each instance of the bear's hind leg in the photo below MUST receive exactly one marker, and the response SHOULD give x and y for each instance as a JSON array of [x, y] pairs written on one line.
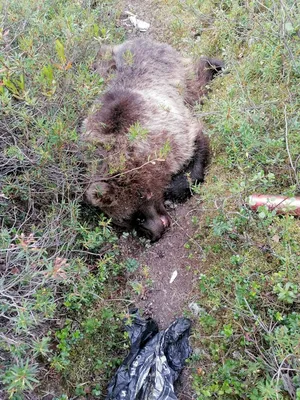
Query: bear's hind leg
[[179, 189]]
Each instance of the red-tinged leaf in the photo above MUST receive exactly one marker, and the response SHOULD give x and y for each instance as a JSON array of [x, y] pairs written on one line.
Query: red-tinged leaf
[[68, 66]]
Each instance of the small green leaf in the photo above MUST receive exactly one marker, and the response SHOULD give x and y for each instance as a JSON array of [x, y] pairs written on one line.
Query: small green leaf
[[289, 27], [60, 50], [10, 86], [47, 74]]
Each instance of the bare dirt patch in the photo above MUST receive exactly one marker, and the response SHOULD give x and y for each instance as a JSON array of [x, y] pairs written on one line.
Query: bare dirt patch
[[173, 254], [175, 251], [155, 12]]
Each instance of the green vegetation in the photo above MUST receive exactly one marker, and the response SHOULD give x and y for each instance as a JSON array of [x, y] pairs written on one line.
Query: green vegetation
[[248, 334], [137, 132], [57, 259], [61, 278]]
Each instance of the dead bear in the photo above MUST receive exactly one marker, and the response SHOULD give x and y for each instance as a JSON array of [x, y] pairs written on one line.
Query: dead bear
[[144, 137]]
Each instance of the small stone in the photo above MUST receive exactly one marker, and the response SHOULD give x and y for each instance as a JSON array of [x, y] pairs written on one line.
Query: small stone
[[197, 351], [196, 310], [237, 355], [201, 353], [173, 277]]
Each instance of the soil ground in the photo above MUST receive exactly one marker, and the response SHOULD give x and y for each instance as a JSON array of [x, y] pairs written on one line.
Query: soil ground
[[155, 12], [162, 299]]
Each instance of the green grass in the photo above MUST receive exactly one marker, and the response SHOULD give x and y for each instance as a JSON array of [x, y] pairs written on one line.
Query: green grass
[[249, 333], [58, 258], [61, 279]]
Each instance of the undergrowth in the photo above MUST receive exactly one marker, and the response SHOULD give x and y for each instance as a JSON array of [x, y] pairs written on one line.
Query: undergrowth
[[247, 335], [60, 310], [60, 278]]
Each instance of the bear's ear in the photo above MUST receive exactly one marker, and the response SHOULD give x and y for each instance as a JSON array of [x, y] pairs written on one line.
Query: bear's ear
[[199, 77], [97, 192], [208, 67], [105, 62]]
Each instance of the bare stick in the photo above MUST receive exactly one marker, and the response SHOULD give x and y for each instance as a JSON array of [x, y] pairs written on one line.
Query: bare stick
[[288, 149]]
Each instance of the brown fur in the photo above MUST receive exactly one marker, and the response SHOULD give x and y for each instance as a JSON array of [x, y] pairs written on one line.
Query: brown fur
[[144, 132]]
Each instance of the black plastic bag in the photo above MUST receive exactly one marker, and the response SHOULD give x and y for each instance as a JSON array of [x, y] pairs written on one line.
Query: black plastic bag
[[154, 362]]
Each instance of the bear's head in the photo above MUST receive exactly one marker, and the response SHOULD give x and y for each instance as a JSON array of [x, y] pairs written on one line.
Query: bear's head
[[132, 206]]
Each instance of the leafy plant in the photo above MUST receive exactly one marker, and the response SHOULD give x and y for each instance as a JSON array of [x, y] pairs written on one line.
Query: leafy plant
[[19, 378]]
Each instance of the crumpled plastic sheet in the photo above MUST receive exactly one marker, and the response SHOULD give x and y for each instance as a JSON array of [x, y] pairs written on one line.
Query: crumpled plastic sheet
[[154, 362]]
